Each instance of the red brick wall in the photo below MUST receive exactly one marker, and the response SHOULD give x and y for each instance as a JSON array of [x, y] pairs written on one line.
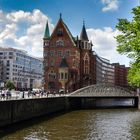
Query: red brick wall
[[121, 73], [74, 54]]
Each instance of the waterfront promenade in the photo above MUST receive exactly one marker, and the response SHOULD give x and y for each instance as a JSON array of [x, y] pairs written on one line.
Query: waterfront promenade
[[16, 95]]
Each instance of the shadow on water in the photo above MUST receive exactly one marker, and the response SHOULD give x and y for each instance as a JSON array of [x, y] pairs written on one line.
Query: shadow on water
[[9, 129]]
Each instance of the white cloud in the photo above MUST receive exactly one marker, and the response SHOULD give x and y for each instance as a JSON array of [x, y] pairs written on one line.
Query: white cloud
[[110, 5], [8, 32], [37, 28], [18, 16], [105, 44], [24, 30]]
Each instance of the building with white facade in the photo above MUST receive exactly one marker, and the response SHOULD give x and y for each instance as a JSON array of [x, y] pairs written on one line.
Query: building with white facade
[[104, 70], [23, 69]]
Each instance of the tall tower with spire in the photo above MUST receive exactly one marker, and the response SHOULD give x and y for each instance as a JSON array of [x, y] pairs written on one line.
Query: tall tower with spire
[[85, 58], [85, 44], [46, 42], [46, 35]]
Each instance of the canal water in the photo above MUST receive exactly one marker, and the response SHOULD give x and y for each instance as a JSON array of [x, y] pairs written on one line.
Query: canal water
[[108, 124]]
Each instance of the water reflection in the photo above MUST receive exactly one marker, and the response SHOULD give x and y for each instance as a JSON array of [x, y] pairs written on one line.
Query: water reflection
[[84, 125]]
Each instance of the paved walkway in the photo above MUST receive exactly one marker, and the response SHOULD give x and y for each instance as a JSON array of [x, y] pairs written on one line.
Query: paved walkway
[[17, 95]]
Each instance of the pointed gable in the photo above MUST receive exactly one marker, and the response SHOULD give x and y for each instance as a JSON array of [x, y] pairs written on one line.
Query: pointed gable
[[61, 31], [63, 63]]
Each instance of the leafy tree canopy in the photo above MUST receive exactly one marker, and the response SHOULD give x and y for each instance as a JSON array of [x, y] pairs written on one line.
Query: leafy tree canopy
[[10, 85], [129, 44]]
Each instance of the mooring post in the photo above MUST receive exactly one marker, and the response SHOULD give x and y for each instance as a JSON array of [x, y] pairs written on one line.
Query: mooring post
[[138, 101], [138, 95]]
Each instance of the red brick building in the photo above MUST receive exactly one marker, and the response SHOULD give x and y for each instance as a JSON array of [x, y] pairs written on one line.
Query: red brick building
[[70, 63], [67, 60], [121, 73]]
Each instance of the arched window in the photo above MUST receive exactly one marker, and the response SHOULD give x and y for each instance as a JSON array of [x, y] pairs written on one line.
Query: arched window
[[86, 64], [60, 43], [46, 43]]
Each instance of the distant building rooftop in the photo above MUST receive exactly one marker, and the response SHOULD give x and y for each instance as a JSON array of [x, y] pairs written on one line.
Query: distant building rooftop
[[20, 51]]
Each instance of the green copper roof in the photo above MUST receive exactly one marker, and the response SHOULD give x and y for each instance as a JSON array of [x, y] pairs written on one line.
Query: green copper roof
[[47, 32]]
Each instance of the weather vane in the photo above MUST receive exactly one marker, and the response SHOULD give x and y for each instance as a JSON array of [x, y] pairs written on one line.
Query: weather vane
[[83, 22], [60, 15]]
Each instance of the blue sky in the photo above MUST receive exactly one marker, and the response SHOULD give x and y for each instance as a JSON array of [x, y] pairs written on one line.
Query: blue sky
[[18, 21], [74, 11]]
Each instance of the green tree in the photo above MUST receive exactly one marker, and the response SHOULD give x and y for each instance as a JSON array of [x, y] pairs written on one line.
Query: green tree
[[10, 85], [129, 44]]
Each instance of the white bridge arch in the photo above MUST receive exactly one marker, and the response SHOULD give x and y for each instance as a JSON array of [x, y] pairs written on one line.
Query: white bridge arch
[[103, 90]]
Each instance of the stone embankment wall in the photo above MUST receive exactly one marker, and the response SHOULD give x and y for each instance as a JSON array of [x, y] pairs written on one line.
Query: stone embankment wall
[[13, 111], [18, 110]]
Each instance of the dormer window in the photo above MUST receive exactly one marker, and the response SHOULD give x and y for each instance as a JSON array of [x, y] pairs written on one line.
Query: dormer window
[[60, 32]]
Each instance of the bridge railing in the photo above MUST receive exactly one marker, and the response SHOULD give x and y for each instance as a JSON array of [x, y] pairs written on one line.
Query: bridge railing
[[103, 90]]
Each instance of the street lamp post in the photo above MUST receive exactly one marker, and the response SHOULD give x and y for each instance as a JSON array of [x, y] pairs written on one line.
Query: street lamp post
[[30, 75], [23, 77]]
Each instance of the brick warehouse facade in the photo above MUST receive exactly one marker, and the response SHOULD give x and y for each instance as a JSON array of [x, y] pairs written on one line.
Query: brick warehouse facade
[[69, 63], [121, 73]]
